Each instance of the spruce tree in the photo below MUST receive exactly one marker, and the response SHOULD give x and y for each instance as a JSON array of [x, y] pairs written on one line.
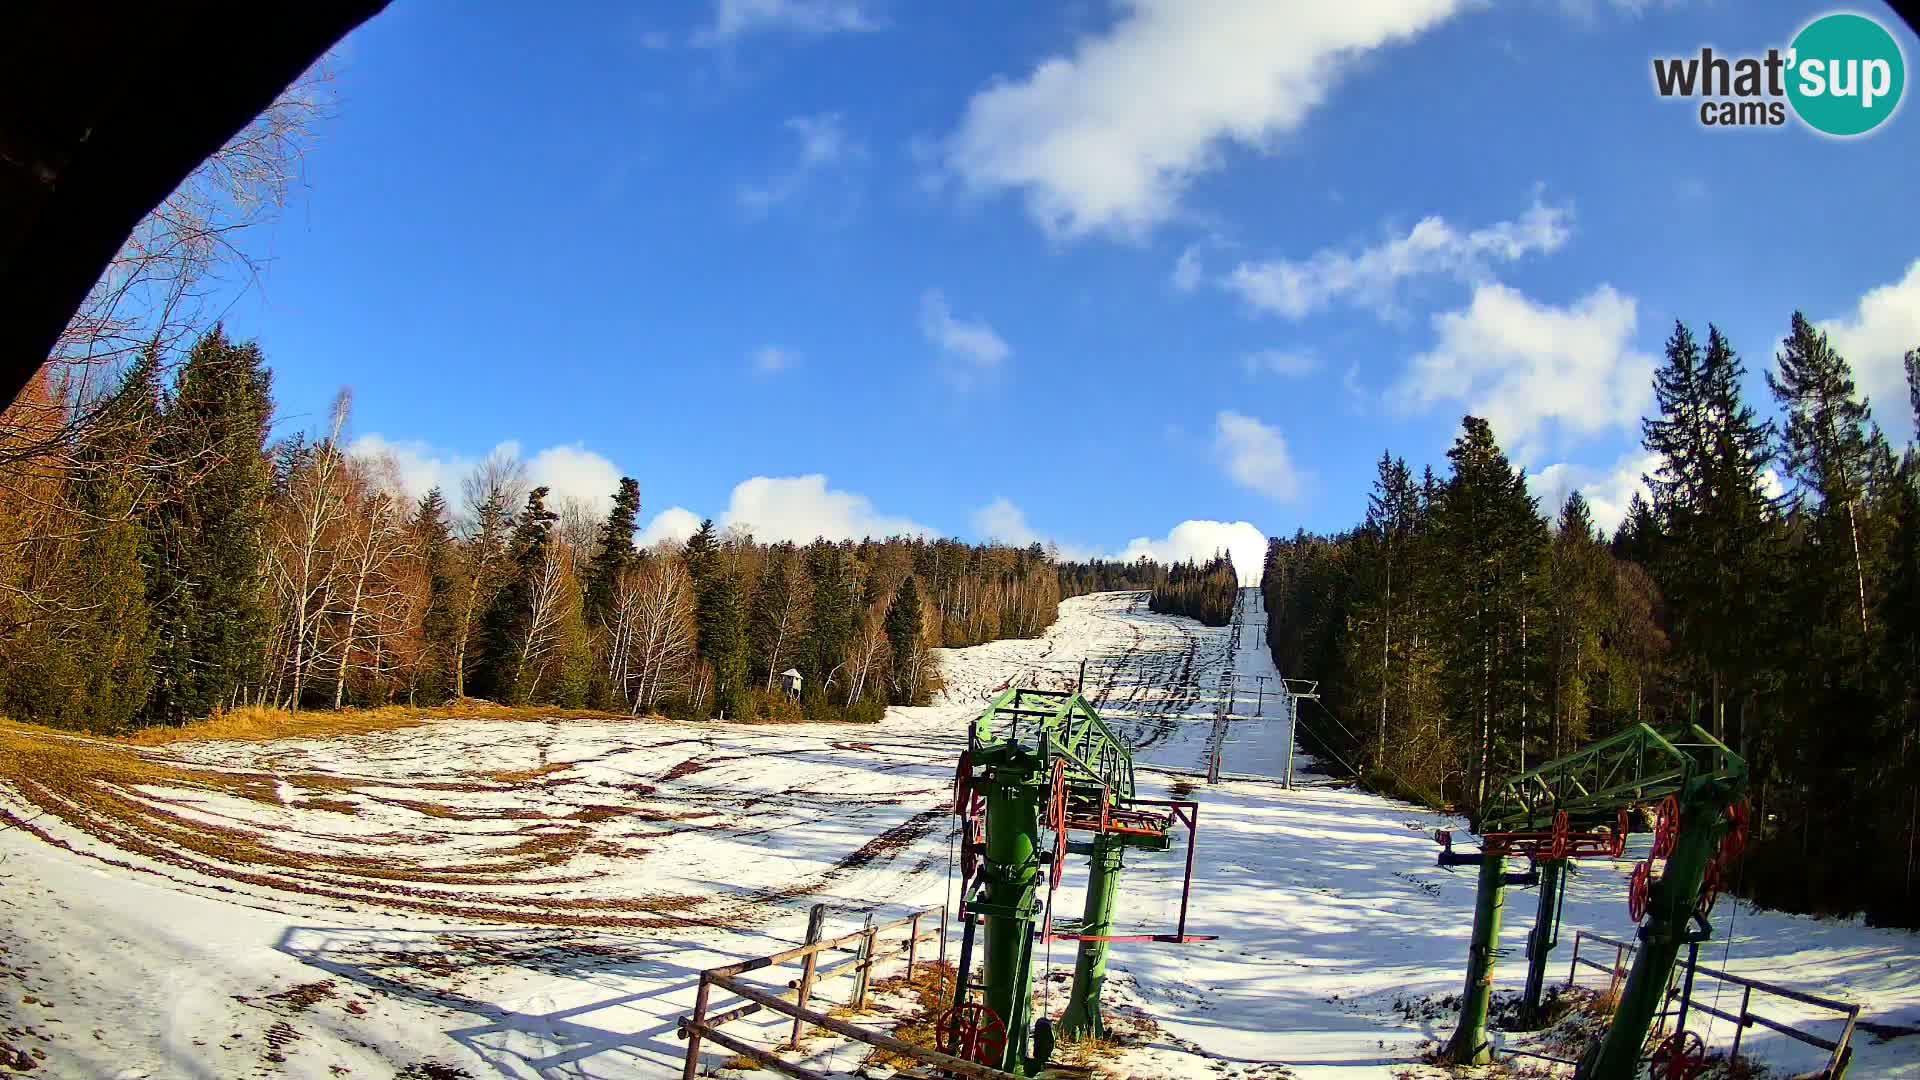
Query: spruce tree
[[1715, 557], [83, 661], [614, 552], [721, 641], [439, 622], [1489, 532], [903, 637], [205, 576], [1827, 450], [508, 619], [832, 608]]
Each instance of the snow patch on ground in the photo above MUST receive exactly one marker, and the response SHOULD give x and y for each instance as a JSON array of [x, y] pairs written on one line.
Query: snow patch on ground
[[527, 899]]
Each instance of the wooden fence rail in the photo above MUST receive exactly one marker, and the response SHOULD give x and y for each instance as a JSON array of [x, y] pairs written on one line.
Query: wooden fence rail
[[703, 1025], [1839, 1051]]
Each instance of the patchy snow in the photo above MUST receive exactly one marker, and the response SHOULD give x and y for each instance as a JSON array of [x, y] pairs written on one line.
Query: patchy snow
[[481, 898]]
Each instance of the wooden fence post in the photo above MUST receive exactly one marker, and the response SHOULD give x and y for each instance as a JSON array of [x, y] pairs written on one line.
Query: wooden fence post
[[863, 974], [816, 918], [913, 944], [693, 1033]]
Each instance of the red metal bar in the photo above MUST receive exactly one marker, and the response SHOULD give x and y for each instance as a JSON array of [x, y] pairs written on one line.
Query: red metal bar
[[1166, 939]]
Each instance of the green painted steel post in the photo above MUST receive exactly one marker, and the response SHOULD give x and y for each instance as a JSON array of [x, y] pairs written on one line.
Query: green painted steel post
[[1668, 912], [1542, 939], [1082, 1018], [1469, 1045], [1013, 828]]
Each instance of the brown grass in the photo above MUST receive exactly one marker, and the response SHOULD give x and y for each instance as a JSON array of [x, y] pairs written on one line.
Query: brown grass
[[259, 724], [932, 992], [521, 776]]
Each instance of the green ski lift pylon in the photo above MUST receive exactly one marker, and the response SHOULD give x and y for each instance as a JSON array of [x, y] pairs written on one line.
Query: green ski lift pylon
[[1040, 764], [1554, 812]]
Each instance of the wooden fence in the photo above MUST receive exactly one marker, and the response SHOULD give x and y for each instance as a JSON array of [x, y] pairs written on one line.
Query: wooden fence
[[1680, 999], [703, 1024]]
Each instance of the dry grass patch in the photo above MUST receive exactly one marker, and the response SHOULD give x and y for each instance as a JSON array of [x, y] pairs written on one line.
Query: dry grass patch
[[521, 776], [931, 991], [254, 723]]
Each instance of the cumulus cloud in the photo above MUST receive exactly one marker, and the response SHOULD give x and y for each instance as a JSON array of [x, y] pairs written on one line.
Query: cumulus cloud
[[1200, 540], [733, 19], [1370, 277], [1530, 367], [1875, 339], [1288, 363], [800, 508], [1255, 456], [1196, 539], [1608, 490], [1108, 137], [570, 471], [824, 146], [675, 523], [773, 359], [1003, 522], [972, 343]]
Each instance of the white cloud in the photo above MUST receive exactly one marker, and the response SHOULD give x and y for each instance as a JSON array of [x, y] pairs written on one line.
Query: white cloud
[[1370, 277], [575, 472], [1003, 522], [974, 343], [773, 359], [1608, 490], [570, 471], [1200, 540], [824, 145], [418, 466], [1875, 339], [1109, 137], [800, 508], [1255, 455], [735, 18], [1288, 363], [1528, 366], [1187, 271], [675, 523]]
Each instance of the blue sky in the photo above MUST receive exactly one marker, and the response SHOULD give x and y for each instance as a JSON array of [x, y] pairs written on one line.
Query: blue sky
[[1078, 272]]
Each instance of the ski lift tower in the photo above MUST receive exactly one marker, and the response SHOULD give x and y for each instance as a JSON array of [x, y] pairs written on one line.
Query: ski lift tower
[[1577, 806], [1040, 765]]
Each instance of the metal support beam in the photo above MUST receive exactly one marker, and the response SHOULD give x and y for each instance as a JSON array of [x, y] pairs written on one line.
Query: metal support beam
[[1082, 1018], [1011, 872], [1702, 821], [1544, 936], [1469, 1045]]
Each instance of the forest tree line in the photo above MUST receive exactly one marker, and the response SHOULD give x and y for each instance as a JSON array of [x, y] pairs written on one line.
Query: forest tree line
[[1768, 590], [1203, 591], [163, 559]]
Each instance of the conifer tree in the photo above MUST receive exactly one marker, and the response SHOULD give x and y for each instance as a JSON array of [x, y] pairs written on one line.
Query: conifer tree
[[1709, 502], [434, 537], [721, 641], [205, 571], [903, 640], [510, 618], [832, 606], [1828, 448], [1488, 531], [613, 553]]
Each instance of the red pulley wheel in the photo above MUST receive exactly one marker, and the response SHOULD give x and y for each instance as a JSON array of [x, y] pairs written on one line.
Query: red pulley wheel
[[1561, 828], [962, 781], [1619, 843], [1666, 827], [1639, 890], [974, 1033], [1682, 1056]]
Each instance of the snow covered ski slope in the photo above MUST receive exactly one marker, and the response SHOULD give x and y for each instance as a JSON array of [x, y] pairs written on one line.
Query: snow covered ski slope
[[520, 899]]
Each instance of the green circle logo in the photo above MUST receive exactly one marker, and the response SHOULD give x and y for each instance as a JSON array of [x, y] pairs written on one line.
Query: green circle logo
[[1845, 74]]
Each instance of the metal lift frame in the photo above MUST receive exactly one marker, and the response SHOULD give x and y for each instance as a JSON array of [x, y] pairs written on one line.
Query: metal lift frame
[[1698, 781]]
